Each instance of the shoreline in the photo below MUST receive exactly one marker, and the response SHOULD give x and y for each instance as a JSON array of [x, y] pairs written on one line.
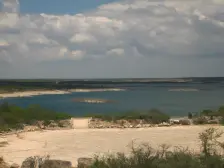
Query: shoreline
[[98, 90], [53, 92], [32, 93], [40, 130]]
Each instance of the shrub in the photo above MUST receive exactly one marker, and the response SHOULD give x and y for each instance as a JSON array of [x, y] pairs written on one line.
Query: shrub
[[152, 116], [190, 115], [221, 110], [209, 141], [206, 112], [200, 121], [12, 116], [46, 122]]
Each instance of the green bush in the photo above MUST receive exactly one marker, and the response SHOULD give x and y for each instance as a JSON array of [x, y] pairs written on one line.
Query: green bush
[[152, 116], [212, 113], [221, 109], [200, 121], [190, 115], [12, 116], [206, 112]]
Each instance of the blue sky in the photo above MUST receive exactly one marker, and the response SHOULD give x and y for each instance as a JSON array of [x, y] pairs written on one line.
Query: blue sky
[[60, 6], [111, 38]]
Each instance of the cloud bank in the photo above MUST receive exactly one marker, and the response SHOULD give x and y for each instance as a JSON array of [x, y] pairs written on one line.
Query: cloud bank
[[130, 38]]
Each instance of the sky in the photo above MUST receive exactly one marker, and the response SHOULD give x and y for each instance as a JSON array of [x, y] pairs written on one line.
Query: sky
[[111, 38]]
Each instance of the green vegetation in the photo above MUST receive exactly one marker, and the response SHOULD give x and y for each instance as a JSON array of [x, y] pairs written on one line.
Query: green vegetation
[[211, 155], [219, 112], [8, 86], [152, 116], [208, 116], [12, 116], [200, 121], [190, 116]]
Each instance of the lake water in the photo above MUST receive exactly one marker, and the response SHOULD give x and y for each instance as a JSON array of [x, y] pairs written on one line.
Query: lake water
[[137, 97]]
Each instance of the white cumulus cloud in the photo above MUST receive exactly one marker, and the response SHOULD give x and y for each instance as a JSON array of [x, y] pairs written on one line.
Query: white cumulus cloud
[[155, 38]]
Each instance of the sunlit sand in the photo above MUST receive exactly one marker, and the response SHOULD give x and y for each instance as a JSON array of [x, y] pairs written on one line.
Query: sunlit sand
[[72, 144]]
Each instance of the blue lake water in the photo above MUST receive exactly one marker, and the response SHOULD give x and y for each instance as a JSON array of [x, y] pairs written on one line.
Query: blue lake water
[[137, 97]]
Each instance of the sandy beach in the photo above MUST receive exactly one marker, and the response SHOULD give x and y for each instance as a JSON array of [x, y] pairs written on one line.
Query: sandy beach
[[97, 90], [54, 92], [72, 144], [33, 93]]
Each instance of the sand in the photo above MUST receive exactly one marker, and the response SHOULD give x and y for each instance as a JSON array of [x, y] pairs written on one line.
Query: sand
[[98, 90], [72, 144], [32, 93], [53, 92], [80, 123]]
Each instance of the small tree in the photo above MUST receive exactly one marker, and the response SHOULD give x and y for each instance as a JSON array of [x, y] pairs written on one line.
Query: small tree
[[190, 115], [221, 111], [206, 112], [209, 141]]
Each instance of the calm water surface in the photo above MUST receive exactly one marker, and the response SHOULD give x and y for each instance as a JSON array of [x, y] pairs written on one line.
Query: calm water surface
[[137, 97]]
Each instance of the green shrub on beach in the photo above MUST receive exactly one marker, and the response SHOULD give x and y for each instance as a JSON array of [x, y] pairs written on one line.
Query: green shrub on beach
[[12, 116], [211, 113], [206, 112], [200, 121], [153, 116]]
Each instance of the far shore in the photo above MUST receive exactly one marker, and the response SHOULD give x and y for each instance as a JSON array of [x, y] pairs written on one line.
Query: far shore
[[52, 92]]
